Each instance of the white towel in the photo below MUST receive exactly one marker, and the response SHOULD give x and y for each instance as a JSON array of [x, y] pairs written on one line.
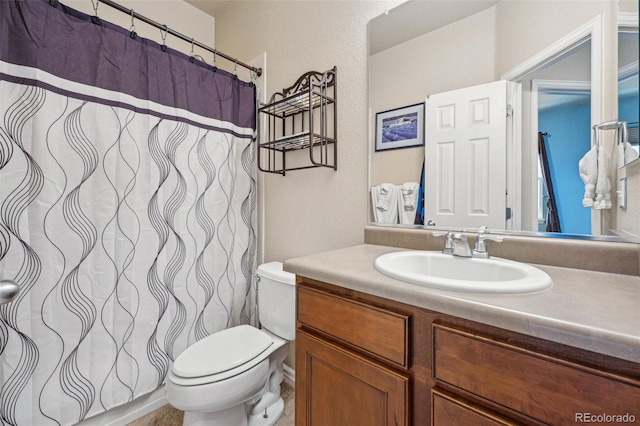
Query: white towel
[[588, 167], [408, 202], [384, 199], [626, 154], [603, 183]]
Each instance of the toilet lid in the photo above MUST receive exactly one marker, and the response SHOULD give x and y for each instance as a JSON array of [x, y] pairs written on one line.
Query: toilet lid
[[221, 351]]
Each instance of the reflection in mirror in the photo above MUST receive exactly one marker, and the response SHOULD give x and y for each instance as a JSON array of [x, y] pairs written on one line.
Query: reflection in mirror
[[628, 94], [480, 43], [563, 91]]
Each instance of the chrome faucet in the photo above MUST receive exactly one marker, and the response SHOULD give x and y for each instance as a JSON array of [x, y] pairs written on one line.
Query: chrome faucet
[[480, 250], [460, 245], [455, 244]]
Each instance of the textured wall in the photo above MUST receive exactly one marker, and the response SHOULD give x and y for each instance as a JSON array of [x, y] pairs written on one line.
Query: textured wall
[[310, 211]]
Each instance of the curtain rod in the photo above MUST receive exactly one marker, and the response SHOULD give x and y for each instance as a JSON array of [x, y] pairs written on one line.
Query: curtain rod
[[168, 30]]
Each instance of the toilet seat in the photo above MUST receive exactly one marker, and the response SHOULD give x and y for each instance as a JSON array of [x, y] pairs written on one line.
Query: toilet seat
[[221, 355]]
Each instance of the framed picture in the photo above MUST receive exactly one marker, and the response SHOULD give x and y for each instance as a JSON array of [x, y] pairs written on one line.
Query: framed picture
[[400, 128]]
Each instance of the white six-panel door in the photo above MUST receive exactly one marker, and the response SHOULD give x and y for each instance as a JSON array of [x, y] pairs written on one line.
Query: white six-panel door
[[465, 153]]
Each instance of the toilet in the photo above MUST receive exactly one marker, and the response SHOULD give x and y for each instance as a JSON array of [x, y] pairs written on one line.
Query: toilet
[[232, 377]]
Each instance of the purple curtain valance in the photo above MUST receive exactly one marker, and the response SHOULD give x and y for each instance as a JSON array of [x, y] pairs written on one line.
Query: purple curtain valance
[[67, 44]]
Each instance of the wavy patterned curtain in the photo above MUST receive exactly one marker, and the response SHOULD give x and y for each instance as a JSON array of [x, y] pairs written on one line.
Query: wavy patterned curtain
[[127, 211]]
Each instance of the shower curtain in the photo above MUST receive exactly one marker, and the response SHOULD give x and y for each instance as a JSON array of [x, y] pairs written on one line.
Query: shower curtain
[[127, 211]]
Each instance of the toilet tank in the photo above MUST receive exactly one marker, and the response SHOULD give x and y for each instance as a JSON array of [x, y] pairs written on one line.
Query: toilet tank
[[276, 300]]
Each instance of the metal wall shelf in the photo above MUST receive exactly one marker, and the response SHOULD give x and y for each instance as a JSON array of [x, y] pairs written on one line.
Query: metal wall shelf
[[301, 117]]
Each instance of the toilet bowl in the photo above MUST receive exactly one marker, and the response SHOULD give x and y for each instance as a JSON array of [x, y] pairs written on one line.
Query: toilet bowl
[[232, 377]]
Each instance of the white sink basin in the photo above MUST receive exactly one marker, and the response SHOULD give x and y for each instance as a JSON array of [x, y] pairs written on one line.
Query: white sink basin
[[446, 272]]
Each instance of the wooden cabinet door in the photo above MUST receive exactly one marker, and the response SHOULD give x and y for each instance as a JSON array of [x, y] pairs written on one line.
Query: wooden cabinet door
[[447, 410], [337, 387]]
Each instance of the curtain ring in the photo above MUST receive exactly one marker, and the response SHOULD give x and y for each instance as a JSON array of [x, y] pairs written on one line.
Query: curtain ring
[[235, 69], [215, 68], [132, 30], [164, 38], [95, 19], [192, 57]]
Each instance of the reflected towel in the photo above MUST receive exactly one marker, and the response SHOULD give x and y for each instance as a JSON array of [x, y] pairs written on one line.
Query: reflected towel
[[408, 202], [409, 191], [603, 183], [384, 199], [588, 168], [385, 194]]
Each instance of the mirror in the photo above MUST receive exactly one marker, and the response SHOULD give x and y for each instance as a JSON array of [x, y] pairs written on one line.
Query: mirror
[[423, 47], [628, 92]]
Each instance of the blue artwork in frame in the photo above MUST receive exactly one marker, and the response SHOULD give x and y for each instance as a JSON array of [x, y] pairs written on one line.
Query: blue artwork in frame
[[400, 128]]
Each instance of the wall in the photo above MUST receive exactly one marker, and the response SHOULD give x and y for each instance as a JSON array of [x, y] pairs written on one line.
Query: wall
[[429, 64], [310, 211]]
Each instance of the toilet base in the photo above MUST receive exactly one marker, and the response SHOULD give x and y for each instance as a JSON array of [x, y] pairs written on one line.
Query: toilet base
[[273, 412], [236, 416]]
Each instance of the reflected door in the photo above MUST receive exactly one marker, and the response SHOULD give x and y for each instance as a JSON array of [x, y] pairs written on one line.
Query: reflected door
[[465, 157]]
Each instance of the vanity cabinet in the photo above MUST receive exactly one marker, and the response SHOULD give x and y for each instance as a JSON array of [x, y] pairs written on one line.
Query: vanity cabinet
[[365, 360], [545, 388], [349, 362]]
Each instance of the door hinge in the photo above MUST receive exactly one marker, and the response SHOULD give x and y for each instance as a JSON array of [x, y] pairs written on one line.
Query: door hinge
[[509, 110], [508, 213]]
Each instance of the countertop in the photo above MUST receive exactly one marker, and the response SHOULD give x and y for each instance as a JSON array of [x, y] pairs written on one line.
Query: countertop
[[595, 311]]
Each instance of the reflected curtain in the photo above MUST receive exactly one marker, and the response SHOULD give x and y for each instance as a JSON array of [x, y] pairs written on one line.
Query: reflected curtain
[[552, 219], [127, 211], [419, 219]]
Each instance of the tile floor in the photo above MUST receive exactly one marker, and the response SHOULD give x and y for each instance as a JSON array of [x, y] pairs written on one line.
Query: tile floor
[[169, 416]]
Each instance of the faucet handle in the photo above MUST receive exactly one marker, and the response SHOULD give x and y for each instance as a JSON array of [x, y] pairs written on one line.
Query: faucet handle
[[448, 240], [480, 248]]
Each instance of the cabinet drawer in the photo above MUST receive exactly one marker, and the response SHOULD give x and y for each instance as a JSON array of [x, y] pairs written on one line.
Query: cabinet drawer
[[542, 387], [379, 332], [450, 411]]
